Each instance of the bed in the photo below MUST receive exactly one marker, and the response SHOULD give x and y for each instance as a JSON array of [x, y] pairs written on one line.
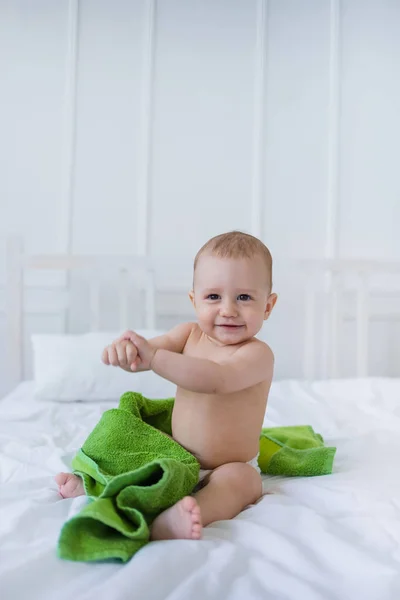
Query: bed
[[326, 538], [332, 537]]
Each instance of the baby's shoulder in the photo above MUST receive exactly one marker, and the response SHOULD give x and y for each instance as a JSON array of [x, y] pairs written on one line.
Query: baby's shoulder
[[192, 334], [257, 350], [193, 329]]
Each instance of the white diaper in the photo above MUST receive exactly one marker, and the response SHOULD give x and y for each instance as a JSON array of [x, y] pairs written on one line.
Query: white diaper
[[253, 463]]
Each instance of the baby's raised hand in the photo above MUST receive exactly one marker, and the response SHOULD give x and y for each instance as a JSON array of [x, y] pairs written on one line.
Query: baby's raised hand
[[145, 351], [121, 353]]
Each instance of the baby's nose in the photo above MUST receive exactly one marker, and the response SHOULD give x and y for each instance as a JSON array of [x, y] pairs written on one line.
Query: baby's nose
[[228, 309]]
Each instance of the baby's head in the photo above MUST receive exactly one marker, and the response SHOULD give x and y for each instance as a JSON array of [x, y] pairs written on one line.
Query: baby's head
[[232, 283]]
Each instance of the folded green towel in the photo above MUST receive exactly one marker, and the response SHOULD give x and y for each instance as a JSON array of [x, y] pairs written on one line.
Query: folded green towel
[[131, 472], [294, 451]]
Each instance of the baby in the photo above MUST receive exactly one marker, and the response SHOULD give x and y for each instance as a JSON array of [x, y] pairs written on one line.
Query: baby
[[223, 375]]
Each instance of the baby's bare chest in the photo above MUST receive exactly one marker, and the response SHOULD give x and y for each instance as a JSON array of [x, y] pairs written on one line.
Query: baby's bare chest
[[208, 351]]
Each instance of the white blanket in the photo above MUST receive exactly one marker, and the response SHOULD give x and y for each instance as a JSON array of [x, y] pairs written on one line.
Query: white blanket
[[325, 538]]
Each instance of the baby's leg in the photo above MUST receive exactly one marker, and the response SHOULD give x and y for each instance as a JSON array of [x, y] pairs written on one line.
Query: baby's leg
[[228, 490], [69, 485]]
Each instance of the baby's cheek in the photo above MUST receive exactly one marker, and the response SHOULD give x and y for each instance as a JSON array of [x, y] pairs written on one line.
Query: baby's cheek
[[205, 318]]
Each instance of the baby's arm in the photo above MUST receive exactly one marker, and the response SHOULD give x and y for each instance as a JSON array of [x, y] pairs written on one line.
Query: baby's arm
[[173, 341], [123, 353], [249, 365]]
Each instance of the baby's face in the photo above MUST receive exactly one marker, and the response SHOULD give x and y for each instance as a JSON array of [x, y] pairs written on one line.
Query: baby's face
[[231, 297]]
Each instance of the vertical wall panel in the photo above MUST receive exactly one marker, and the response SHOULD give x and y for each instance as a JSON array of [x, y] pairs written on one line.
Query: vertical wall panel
[[370, 129], [145, 138], [333, 133], [259, 120], [32, 89], [204, 101], [108, 112], [68, 164], [297, 117]]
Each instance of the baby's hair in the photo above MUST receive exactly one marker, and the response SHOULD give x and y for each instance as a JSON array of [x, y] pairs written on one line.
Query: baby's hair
[[236, 244]]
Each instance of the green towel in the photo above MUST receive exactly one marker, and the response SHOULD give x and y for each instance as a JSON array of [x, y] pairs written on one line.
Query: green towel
[[294, 452], [131, 473]]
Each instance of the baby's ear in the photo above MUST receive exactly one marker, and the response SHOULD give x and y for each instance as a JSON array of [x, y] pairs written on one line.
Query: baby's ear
[[270, 305], [191, 296]]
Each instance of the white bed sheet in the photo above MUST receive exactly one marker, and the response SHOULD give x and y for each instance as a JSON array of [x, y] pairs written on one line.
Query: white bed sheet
[[325, 538]]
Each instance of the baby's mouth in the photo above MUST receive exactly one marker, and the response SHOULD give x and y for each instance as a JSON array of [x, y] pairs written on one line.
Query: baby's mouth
[[229, 326]]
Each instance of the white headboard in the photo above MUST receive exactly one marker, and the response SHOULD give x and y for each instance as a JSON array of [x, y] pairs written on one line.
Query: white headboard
[[335, 282], [17, 263], [334, 291]]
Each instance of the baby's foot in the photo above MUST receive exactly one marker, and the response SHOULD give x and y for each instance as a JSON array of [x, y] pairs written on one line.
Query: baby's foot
[[180, 522], [69, 485]]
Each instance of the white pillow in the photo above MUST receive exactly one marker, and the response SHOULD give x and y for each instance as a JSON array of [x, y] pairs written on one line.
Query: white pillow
[[69, 368]]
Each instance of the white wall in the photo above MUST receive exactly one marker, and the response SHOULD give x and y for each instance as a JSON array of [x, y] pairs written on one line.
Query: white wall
[[149, 126]]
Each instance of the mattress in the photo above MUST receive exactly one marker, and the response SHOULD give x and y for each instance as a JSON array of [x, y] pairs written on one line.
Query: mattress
[[323, 538]]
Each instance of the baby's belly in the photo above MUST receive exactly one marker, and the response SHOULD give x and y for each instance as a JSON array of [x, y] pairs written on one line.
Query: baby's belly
[[216, 439]]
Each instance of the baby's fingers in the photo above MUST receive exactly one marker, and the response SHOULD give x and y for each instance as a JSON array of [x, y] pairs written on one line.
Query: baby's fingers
[[104, 356], [113, 356], [125, 336], [131, 354], [136, 364], [121, 353]]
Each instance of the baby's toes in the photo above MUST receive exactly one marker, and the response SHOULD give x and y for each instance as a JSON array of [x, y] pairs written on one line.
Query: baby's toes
[[61, 478], [196, 531]]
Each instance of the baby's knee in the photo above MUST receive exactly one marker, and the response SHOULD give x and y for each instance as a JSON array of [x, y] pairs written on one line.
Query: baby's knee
[[242, 477]]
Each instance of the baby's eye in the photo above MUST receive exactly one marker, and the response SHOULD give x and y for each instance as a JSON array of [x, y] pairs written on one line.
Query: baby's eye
[[212, 297], [244, 297]]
